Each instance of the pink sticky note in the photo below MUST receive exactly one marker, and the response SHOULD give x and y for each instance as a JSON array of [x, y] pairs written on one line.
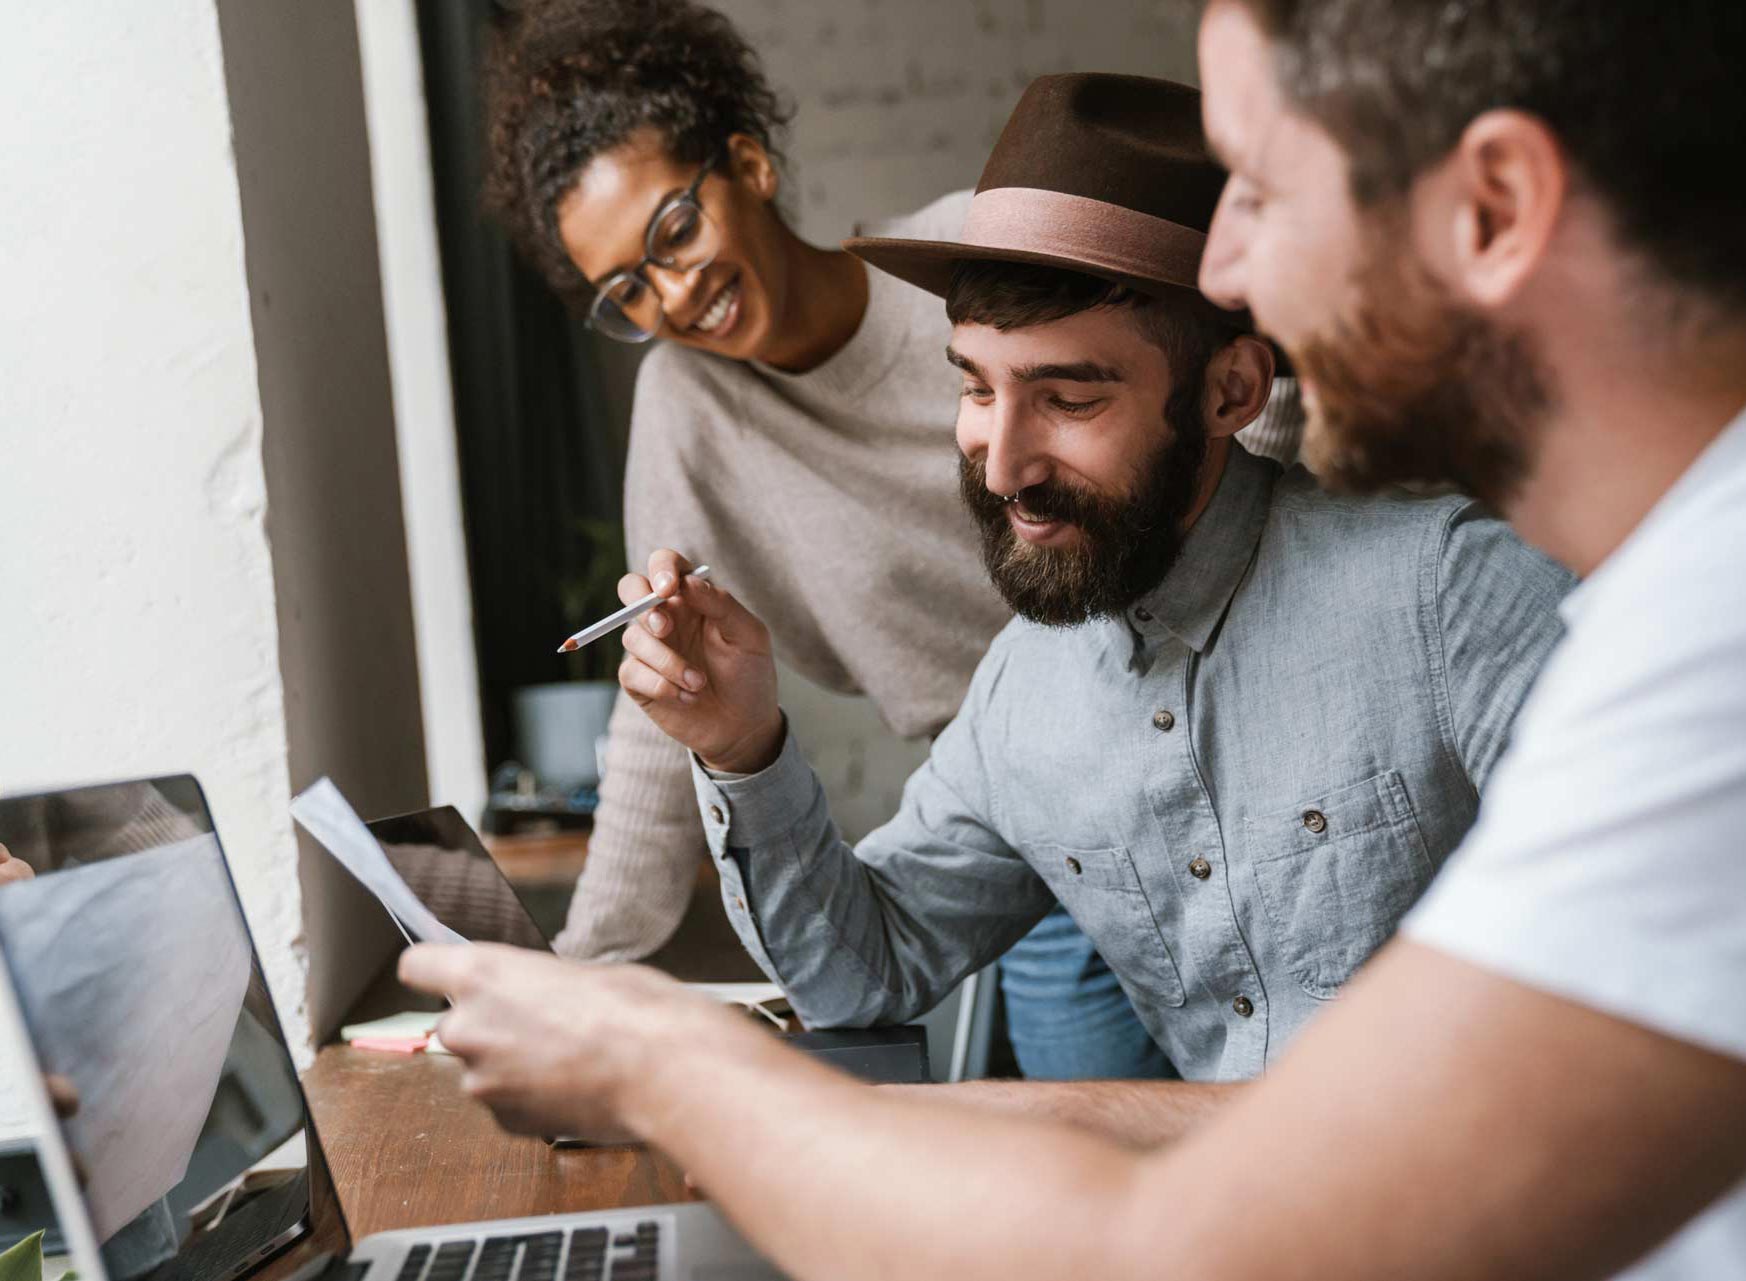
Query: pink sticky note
[[391, 1044]]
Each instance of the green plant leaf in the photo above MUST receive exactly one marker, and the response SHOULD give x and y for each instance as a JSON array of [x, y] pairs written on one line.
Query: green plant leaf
[[588, 590], [23, 1262]]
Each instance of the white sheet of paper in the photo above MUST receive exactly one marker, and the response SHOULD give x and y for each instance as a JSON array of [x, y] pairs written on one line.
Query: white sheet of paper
[[327, 816], [131, 973], [739, 993]]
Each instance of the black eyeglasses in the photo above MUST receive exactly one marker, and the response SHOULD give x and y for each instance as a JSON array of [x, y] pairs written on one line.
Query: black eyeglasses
[[680, 237]]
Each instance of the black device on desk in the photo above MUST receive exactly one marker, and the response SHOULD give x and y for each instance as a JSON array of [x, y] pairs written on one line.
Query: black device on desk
[[446, 865], [137, 981], [26, 1206]]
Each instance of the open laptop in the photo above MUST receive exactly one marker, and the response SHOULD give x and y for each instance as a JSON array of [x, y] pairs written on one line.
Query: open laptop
[[174, 1128]]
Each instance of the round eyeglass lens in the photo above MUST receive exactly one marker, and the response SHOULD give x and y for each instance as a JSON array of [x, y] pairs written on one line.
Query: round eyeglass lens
[[627, 309], [684, 237]]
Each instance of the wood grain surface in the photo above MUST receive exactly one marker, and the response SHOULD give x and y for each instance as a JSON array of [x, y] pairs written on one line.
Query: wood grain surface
[[408, 1148]]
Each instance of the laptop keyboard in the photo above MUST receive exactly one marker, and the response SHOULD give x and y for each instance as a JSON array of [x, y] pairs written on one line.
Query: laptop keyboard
[[582, 1254]]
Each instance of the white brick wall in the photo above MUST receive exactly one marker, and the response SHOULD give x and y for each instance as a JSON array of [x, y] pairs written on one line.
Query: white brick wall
[[901, 100]]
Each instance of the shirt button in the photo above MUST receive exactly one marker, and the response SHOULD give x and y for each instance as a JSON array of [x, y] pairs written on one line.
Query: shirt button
[[1073, 866], [739, 903], [1315, 820], [1163, 720], [1143, 615], [716, 816], [1244, 1006], [1200, 869]]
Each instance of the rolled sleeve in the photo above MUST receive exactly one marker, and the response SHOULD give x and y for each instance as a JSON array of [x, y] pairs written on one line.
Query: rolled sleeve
[[883, 931], [752, 810]]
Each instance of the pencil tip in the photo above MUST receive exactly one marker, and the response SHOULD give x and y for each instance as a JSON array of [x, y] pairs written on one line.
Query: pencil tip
[[566, 647]]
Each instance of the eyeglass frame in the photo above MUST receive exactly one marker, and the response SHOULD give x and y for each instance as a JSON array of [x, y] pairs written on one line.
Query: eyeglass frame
[[686, 197]]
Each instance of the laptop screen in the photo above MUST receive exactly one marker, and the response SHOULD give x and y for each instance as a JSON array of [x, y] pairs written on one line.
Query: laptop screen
[[444, 863], [151, 1023]]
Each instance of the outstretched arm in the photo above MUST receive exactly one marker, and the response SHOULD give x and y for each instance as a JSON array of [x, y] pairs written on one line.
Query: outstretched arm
[[1136, 1114], [1439, 1122]]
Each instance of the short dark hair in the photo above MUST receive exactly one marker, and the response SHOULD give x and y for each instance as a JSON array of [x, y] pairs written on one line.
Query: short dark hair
[[1648, 100], [1018, 295], [568, 79]]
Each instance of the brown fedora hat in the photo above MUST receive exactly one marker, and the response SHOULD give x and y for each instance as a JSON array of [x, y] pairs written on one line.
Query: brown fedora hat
[[1103, 174]]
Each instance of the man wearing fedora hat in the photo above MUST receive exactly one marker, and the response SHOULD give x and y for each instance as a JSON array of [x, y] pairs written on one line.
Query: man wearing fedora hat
[[1237, 724]]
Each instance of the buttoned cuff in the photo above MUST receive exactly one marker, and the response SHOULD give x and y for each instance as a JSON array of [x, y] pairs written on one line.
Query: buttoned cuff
[[750, 810]]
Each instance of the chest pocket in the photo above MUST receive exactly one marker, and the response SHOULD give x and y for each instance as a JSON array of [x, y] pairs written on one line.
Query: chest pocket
[[1102, 892], [1337, 872]]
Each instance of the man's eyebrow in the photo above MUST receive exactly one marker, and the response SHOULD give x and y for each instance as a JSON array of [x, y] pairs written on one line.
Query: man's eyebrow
[[961, 361], [1077, 371]]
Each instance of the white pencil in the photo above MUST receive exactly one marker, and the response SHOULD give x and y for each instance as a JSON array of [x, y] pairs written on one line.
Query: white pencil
[[594, 631]]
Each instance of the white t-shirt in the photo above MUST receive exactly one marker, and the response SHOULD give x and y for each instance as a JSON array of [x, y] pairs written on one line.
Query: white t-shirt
[[1608, 864]]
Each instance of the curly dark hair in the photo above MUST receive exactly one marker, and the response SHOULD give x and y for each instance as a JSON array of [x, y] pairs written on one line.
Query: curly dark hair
[[568, 79]]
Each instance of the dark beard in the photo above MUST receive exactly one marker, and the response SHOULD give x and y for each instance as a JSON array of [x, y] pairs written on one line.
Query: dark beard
[[1418, 390], [1127, 543]]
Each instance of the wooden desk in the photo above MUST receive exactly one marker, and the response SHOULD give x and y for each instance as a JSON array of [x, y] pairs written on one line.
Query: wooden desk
[[408, 1148]]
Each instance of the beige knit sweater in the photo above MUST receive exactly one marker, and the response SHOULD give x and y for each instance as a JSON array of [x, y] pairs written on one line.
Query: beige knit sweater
[[827, 502]]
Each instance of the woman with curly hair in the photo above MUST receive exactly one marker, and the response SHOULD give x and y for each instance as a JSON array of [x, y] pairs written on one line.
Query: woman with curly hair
[[793, 426]]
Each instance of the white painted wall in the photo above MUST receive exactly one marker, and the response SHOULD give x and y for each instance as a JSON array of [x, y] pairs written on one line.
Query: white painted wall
[[138, 632], [901, 100], [424, 411], [334, 520]]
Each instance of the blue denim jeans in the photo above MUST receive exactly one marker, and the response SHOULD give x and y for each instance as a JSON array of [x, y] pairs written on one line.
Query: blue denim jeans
[[1068, 1018]]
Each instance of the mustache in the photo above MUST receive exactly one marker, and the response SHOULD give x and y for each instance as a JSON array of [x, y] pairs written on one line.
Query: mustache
[[1049, 500]]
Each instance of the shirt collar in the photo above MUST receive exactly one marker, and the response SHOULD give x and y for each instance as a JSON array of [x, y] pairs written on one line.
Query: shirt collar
[[1722, 458], [1194, 595]]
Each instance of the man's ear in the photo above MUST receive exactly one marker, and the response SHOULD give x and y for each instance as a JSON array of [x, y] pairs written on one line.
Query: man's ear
[[1503, 190], [750, 163], [1239, 379]]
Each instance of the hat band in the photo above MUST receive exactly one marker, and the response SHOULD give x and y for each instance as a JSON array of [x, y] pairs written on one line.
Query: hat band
[[1103, 236]]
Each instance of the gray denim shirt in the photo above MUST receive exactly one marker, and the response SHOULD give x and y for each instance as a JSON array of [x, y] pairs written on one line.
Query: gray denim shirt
[[1237, 789]]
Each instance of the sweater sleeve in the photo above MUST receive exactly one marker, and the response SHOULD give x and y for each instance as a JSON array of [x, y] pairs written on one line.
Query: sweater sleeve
[[643, 854]]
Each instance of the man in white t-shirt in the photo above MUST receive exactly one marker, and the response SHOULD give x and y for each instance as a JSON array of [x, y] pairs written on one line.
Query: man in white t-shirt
[[1502, 244]]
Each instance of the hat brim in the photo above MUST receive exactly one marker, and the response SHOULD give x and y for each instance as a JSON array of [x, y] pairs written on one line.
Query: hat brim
[[928, 264]]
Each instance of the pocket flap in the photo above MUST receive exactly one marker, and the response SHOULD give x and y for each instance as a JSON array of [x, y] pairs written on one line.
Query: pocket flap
[[1106, 869], [1375, 804], [1102, 891], [1336, 873]]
